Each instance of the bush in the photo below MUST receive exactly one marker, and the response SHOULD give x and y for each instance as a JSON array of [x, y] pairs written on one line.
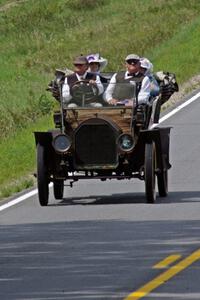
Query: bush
[[45, 105]]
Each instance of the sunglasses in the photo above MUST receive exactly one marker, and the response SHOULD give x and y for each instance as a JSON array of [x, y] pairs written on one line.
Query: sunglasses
[[132, 61]]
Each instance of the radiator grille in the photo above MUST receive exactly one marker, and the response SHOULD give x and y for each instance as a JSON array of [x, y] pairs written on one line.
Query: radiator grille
[[95, 146]]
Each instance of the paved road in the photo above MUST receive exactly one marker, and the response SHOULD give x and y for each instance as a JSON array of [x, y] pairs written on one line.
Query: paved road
[[102, 241]]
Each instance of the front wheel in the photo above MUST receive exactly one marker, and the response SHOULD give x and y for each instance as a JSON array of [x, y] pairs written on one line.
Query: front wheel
[[149, 171], [162, 179], [42, 176], [58, 189]]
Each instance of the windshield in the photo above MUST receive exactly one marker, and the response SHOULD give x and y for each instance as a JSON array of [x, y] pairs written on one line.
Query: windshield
[[85, 94]]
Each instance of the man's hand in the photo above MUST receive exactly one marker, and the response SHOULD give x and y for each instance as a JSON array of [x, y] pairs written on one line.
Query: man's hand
[[113, 101], [92, 82]]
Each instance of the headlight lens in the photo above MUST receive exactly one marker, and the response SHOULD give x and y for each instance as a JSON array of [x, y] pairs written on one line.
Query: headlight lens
[[126, 142], [62, 143]]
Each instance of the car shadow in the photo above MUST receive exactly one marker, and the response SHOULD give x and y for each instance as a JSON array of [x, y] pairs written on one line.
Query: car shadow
[[130, 198], [120, 198], [181, 197]]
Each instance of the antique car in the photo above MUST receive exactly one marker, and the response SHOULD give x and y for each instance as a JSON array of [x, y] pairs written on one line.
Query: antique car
[[103, 142]]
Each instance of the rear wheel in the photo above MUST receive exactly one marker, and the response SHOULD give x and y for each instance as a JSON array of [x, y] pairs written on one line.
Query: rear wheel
[[149, 170], [162, 179], [58, 189], [42, 176]]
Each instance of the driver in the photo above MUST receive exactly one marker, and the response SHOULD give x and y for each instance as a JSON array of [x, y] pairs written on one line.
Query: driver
[[80, 73], [120, 91]]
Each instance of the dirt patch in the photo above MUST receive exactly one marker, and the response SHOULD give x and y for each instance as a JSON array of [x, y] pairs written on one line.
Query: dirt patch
[[11, 4]]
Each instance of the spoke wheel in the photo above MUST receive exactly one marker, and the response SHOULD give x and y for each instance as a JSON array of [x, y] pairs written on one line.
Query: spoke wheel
[[149, 170], [162, 179], [42, 176], [58, 189]]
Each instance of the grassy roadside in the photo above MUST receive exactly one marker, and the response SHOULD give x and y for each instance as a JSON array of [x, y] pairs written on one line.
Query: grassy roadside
[[180, 53], [17, 158], [39, 36]]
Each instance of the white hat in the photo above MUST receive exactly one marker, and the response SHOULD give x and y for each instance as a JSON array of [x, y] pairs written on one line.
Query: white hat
[[97, 58], [132, 56], [146, 64]]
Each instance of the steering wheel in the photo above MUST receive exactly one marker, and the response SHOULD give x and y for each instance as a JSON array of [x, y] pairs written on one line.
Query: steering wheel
[[83, 93]]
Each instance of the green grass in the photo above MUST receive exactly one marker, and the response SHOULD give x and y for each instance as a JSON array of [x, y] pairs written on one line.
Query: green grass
[[38, 36], [3, 2], [17, 154], [184, 52], [18, 158]]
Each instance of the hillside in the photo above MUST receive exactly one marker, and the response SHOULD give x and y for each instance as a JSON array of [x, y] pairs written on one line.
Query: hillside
[[39, 36]]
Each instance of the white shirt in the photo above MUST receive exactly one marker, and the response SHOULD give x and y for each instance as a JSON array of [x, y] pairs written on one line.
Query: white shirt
[[143, 95], [66, 88]]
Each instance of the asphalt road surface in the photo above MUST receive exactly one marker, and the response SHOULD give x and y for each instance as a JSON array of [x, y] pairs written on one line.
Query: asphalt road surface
[[102, 241]]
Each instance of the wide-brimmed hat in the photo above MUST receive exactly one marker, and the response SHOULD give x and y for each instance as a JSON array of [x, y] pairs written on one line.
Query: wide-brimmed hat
[[80, 60], [96, 58]]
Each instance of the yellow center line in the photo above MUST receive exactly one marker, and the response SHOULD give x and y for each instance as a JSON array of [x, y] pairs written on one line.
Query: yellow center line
[[159, 280], [167, 261]]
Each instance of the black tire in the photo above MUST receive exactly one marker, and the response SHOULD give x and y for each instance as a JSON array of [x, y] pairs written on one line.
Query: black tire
[[149, 171], [162, 179], [58, 189], [42, 176]]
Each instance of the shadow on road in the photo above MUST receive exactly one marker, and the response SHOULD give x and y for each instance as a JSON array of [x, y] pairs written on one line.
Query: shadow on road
[[181, 197], [124, 198], [130, 198]]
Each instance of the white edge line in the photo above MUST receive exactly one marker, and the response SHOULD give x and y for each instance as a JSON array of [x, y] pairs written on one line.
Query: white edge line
[[19, 199], [178, 108], [165, 117]]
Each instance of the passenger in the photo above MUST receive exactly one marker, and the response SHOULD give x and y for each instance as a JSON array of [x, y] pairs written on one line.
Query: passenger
[[80, 73], [120, 89], [146, 68], [96, 65]]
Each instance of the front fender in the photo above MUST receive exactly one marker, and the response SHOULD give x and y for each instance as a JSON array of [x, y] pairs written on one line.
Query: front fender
[[45, 138], [161, 137]]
